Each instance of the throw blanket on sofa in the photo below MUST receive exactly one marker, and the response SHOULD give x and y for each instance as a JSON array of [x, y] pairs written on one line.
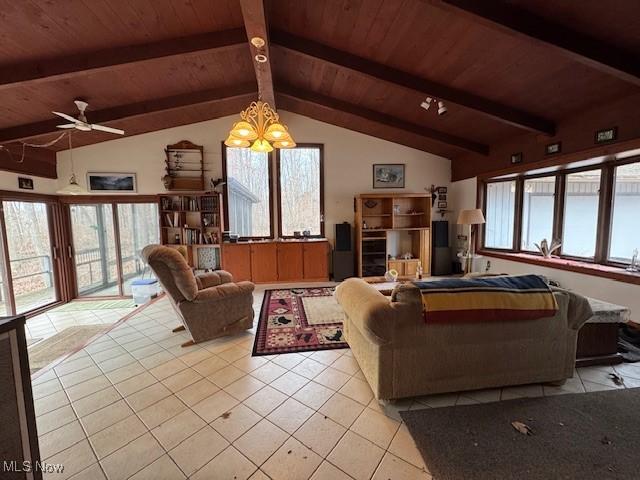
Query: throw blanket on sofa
[[525, 297]]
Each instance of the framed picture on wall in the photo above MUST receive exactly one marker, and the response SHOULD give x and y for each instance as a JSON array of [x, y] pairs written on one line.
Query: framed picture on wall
[[112, 182], [388, 175]]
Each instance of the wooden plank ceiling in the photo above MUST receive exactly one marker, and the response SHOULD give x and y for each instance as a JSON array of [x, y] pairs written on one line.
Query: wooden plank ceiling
[[502, 68]]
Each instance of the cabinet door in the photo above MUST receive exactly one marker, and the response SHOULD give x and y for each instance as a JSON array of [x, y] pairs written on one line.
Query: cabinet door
[[290, 261], [264, 262], [316, 260], [236, 259], [411, 267], [396, 265]]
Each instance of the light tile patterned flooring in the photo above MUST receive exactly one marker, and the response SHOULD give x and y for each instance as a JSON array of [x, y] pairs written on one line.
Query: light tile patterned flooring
[[54, 321], [134, 404]]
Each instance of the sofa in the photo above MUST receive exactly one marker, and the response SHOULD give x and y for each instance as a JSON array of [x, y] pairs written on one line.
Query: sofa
[[210, 305], [402, 356]]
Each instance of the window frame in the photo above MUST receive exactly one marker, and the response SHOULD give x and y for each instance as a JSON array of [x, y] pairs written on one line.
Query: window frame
[[271, 235], [320, 147], [605, 210]]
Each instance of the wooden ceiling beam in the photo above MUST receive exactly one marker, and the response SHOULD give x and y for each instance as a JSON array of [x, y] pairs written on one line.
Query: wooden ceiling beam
[[381, 118], [68, 66], [255, 23], [578, 46], [391, 75], [122, 112]]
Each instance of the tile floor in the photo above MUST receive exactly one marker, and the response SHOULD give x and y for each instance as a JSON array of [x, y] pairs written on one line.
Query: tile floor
[[54, 321], [134, 404]]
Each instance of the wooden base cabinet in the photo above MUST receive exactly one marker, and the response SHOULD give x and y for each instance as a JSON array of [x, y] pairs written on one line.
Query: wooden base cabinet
[[236, 258], [269, 262]]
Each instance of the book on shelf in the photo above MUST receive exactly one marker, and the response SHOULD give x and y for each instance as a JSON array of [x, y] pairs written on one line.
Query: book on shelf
[[173, 221]]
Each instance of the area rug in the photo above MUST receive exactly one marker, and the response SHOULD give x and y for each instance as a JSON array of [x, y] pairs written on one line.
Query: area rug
[[575, 436], [82, 305], [67, 341], [299, 320]]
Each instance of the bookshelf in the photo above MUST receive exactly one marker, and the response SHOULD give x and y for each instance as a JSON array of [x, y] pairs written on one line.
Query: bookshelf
[[193, 221], [390, 226]]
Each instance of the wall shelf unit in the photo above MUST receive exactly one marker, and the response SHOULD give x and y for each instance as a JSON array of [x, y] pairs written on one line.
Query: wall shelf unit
[[390, 226], [193, 221]]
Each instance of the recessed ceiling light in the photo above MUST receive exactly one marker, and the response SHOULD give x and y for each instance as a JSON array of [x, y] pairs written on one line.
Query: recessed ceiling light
[[261, 58], [257, 42]]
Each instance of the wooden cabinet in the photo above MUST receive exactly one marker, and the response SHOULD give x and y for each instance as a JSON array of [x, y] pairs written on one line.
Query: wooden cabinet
[[290, 261], [267, 262], [236, 258], [315, 260], [405, 268], [264, 262]]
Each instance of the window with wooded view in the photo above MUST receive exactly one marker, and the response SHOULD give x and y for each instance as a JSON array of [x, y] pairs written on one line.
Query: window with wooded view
[[247, 174], [300, 184], [595, 217]]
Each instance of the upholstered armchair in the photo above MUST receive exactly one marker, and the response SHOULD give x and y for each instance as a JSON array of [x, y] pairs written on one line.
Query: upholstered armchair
[[210, 305]]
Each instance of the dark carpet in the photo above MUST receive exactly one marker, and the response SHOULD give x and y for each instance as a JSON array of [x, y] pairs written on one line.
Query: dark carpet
[[576, 436]]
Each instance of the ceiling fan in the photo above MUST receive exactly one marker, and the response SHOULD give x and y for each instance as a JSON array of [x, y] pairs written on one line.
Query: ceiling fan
[[81, 122]]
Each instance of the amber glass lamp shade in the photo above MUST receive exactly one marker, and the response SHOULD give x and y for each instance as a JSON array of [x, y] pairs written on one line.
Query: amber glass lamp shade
[[244, 130]]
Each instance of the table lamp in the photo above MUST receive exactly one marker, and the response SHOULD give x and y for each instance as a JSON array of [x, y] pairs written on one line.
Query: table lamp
[[470, 217]]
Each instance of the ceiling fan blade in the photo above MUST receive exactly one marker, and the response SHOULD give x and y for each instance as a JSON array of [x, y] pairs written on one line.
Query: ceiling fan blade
[[66, 117], [107, 129], [67, 125]]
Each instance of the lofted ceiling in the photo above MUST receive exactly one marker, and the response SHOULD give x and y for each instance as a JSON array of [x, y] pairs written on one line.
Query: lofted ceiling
[[503, 67]]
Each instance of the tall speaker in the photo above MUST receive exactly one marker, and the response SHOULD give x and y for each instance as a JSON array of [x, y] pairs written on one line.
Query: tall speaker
[[440, 252], [343, 237]]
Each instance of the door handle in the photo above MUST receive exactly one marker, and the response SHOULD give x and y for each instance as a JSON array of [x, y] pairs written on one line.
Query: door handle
[[69, 251]]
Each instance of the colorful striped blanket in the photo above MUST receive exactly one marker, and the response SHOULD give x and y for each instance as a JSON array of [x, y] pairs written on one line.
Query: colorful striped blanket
[[525, 297]]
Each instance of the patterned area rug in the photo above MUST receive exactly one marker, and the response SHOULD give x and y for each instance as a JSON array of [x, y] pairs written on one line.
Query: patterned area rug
[[69, 340], [81, 305], [299, 320]]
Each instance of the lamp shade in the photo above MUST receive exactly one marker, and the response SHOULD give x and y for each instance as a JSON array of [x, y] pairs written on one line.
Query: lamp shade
[[72, 188], [470, 217]]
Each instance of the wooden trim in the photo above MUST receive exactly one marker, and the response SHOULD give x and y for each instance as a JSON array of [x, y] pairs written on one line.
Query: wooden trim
[[592, 156], [320, 147], [243, 91], [11, 196], [110, 198], [381, 118], [6, 265], [605, 202], [558, 206], [116, 240], [592, 269], [495, 110], [226, 195], [517, 214], [85, 63], [581, 47], [256, 25]]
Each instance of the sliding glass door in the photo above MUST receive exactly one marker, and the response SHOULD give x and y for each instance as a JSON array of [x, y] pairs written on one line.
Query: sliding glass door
[[138, 227], [108, 239], [30, 257], [94, 250]]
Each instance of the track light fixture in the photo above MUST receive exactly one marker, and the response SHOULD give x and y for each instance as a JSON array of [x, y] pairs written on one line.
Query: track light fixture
[[427, 104]]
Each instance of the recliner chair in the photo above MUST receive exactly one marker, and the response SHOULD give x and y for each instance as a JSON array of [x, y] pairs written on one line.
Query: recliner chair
[[210, 305]]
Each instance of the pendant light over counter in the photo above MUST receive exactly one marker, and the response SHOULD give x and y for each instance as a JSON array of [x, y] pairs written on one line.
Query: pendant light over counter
[[260, 129]]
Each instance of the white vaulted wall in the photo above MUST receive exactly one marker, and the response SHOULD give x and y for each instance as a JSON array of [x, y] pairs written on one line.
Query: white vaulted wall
[[348, 160]]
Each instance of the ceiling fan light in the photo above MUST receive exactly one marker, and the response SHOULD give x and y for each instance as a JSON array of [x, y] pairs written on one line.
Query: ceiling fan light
[[244, 130], [261, 146], [235, 142], [275, 132], [83, 127]]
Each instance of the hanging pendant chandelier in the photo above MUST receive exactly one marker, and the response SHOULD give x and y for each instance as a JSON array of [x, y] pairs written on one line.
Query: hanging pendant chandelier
[[260, 129]]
